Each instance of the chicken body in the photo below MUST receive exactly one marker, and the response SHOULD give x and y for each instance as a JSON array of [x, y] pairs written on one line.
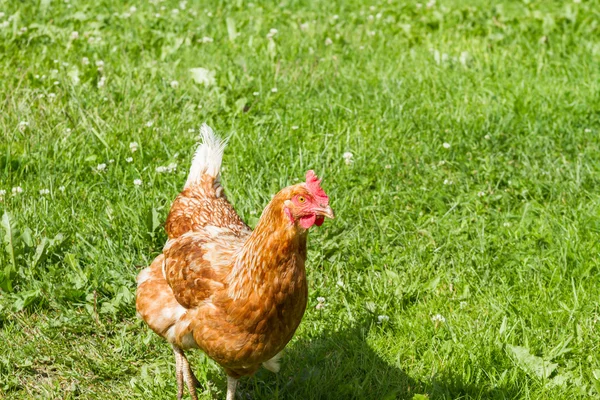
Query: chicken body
[[236, 294]]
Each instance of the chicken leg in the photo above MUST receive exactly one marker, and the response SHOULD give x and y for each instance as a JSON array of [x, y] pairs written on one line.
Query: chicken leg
[[178, 372], [231, 385], [183, 371]]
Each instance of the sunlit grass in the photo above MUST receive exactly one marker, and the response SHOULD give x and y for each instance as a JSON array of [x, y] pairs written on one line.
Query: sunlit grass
[[458, 143]]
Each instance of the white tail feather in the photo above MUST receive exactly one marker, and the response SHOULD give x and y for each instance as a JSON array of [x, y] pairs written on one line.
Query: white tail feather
[[207, 158]]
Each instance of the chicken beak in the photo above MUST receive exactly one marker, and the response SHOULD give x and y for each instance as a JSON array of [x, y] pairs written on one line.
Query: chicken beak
[[325, 211]]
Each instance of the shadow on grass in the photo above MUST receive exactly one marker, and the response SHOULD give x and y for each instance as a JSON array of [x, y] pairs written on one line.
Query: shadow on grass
[[342, 365], [335, 365], [453, 386]]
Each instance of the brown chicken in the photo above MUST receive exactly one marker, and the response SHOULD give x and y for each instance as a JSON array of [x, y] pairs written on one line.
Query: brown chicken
[[236, 294]]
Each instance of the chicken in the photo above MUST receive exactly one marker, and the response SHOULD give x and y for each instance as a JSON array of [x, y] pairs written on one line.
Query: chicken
[[236, 294]]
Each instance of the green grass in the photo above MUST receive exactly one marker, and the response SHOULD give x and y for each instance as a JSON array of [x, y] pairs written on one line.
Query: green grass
[[497, 233]]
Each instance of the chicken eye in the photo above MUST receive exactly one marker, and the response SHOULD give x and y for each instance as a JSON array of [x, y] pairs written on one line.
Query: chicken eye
[[301, 199]]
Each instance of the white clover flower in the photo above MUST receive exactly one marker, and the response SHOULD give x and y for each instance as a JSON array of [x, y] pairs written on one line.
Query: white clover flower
[[438, 318], [61, 188], [335, 17], [161, 169], [183, 5], [320, 303], [506, 224], [85, 61], [133, 146], [100, 167], [132, 9], [328, 42], [430, 4], [16, 190], [171, 167], [447, 182], [100, 65], [382, 318], [137, 182], [294, 127], [191, 130], [206, 39], [129, 159], [149, 124], [481, 194], [272, 33], [2, 15], [372, 8], [462, 304], [44, 191], [348, 158], [101, 82], [587, 130], [174, 84], [203, 76], [388, 166], [111, 161], [446, 145], [274, 90], [371, 33], [175, 11], [464, 58], [487, 137], [23, 123], [304, 26], [370, 18], [256, 93], [74, 35]]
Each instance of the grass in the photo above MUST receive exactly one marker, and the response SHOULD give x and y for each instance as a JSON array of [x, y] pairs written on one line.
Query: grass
[[469, 216]]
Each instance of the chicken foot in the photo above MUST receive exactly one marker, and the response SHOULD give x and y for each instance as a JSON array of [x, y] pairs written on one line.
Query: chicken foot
[[183, 371]]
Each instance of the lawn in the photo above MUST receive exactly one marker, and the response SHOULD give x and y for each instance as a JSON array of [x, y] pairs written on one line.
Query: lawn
[[463, 260]]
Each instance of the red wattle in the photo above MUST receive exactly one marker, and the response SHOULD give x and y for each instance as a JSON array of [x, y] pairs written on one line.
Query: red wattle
[[307, 221]]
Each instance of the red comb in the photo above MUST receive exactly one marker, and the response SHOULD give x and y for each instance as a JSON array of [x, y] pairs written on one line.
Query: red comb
[[313, 184]]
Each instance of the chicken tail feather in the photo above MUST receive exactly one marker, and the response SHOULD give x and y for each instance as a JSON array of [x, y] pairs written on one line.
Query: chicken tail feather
[[207, 158]]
